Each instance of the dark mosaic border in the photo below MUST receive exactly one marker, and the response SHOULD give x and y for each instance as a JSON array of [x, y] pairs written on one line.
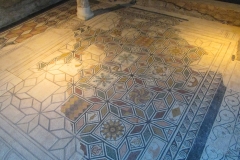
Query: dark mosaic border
[[202, 107], [205, 129]]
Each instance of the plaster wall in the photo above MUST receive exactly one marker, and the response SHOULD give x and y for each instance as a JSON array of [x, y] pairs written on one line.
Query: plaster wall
[[14, 10]]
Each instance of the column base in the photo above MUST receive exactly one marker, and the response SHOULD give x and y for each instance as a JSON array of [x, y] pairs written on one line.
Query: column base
[[84, 13]]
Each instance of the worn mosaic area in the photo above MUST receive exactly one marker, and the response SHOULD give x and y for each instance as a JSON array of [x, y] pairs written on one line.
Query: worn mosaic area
[[38, 24], [56, 17], [123, 85]]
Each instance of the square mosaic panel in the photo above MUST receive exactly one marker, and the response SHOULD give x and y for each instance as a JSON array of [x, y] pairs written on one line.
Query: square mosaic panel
[[103, 80]]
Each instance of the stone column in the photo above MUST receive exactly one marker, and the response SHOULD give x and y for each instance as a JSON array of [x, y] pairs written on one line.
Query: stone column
[[83, 10]]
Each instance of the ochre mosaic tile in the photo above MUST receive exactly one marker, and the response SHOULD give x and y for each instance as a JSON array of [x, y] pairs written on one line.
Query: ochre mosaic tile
[[74, 107]]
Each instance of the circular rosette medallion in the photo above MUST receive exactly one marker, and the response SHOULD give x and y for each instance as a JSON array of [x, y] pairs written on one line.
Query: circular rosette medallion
[[140, 96], [112, 130]]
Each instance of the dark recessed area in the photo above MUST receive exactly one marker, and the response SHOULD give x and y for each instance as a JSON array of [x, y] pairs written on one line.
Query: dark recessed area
[[231, 1]]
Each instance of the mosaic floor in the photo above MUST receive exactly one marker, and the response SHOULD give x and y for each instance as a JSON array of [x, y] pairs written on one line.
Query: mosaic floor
[[130, 83]]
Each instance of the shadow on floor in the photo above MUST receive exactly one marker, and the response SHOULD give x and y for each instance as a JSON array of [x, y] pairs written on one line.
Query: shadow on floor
[[231, 1], [114, 8]]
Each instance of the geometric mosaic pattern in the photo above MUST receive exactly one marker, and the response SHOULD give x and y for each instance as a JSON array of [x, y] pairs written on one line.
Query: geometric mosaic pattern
[[7, 152], [142, 92], [124, 86]]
